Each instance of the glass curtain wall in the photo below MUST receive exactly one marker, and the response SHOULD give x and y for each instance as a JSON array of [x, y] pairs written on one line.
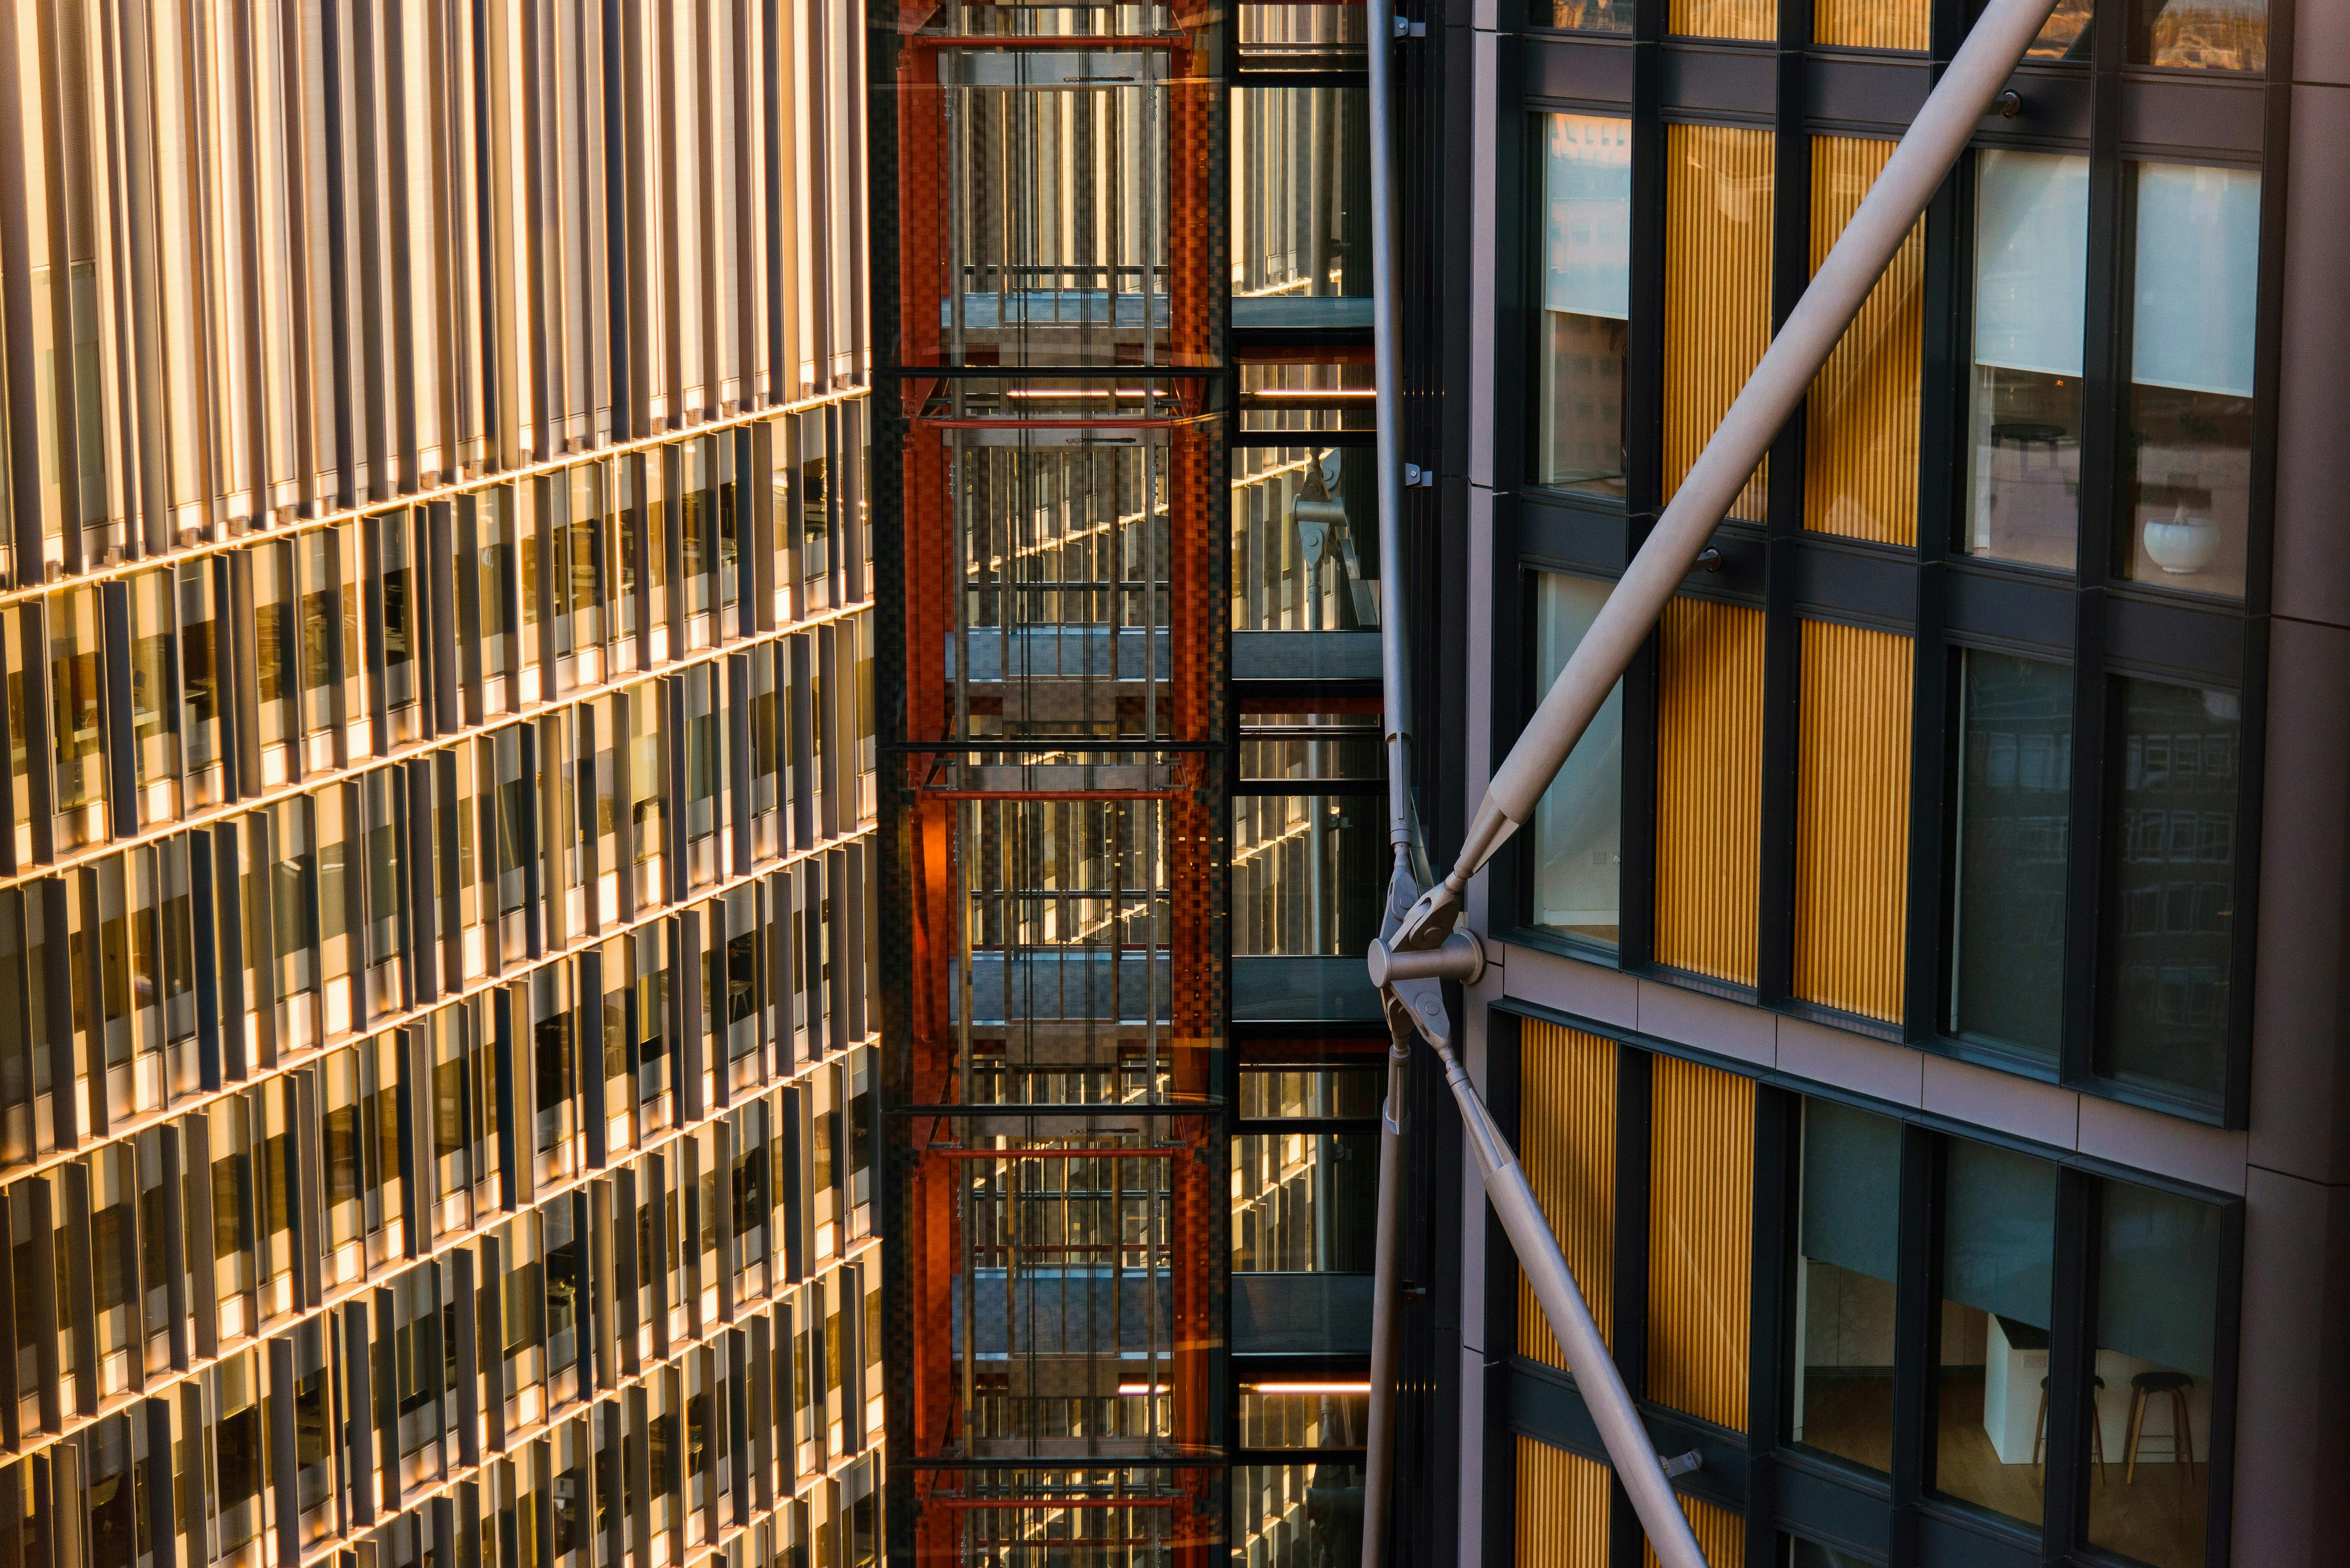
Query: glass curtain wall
[[397, 399]]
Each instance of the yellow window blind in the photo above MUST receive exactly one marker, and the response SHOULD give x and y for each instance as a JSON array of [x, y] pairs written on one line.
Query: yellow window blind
[[1755, 19], [1852, 818], [1717, 194], [1720, 1534], [1562, 1508], [1709, 787], [1870, 24], [1566, 1140], [1701, 1238], [1860, 421]]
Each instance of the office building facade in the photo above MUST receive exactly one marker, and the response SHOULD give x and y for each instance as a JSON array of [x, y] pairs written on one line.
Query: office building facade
[[1907, 1002], [1914, 1002], [1129, 799], [436, 1076]]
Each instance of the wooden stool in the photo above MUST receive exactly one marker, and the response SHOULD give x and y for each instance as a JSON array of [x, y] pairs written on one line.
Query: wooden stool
[[2096, 1427], [2143, 1389]]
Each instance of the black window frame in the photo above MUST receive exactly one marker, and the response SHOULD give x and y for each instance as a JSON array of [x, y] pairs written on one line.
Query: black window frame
[[1891, 1517], [2101, 107]]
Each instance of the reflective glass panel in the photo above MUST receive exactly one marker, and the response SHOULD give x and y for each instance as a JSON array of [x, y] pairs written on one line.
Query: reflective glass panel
[[1844, 1287], [2032, 236], [1578, 842], [2014, 806], [2171, 873], [1999, 1247], [2190, 436], [1586, 302], [2157, 1276]]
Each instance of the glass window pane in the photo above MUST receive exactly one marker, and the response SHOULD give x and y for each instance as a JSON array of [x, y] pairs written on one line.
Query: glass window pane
[[1301, 192], [1860, 418], [1592, 15], [2157, 1274], [2032, 240], [1756, 20], [2015, 776], [1304, 538], [1296, 1516], [2172, 866], [154, 713], [1304, 1202], [1310, 1413], [1870, 24], [1999, 1247], [1586, 293], [1720, 194], [1578, 825], [1312, 392], [1309, 873], [1355, 1090], [1701, 1238], [76, 717], [2209, 35], [1849, 1237], [1311, 745], [1301, 37], [2065, 35], [2191, 397]]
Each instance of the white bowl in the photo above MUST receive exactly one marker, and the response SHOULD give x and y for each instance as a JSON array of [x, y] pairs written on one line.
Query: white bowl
[[2180, 546]]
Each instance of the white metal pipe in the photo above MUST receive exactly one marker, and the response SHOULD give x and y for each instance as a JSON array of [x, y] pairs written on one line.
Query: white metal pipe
[[1387, 355], [1387, 367], [1387, 1304], [1925, 155], [1602, 1385]]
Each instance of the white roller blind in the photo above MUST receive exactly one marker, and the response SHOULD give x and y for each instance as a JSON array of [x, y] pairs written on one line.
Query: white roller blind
[[2032, 260], [2197, 262], [1579, 823], [1588, 239]]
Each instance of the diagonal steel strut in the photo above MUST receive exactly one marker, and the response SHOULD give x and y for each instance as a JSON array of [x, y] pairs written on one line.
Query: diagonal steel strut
[[1418, 948]]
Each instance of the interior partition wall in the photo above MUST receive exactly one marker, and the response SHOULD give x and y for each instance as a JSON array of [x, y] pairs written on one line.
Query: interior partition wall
[[1051, 301]]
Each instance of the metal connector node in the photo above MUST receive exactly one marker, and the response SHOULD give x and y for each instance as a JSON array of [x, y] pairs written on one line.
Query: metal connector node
[[1429, 919], [1681, 1464], [1417, 1007], [1460, 956], [1404, 29]]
